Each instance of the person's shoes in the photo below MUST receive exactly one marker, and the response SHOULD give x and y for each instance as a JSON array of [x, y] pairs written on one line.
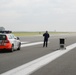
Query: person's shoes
[[46, 46], [43, 46]]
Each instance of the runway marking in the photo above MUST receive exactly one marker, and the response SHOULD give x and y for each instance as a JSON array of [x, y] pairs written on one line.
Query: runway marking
[[34, 65], [23, 42], [31, 44]]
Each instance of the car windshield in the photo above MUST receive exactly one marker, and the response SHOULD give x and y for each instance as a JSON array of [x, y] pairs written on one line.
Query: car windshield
[[11, 36], [2, 37]]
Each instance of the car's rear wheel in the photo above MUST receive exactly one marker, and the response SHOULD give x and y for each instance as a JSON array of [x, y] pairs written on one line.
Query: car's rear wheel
[[12, 48]]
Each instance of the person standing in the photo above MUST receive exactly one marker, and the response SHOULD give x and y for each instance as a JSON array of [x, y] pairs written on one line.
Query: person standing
[[46, 36]]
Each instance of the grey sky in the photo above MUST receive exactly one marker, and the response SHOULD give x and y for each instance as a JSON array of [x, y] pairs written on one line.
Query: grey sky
[[38, 15]]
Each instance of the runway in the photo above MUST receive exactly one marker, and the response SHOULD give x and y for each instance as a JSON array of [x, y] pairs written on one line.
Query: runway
[[29, 53]]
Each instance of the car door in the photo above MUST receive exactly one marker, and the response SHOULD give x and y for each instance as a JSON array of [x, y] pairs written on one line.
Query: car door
[[12, 40], [15, 41]]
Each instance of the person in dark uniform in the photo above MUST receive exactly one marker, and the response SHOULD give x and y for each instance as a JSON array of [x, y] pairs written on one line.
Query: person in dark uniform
[[46, 36]]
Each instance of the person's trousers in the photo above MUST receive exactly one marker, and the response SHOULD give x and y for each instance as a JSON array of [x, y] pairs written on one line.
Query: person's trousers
[[45, 43]]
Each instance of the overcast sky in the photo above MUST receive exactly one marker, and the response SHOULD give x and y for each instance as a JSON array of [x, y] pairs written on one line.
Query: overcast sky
[[38, 15]]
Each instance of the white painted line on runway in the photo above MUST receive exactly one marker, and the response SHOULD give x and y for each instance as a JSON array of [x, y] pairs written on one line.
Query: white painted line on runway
[[34, 65], [23, 42], [31, 44]]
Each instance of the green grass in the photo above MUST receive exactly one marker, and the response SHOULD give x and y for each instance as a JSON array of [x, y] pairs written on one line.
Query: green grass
[[38, 33], [26, 33]]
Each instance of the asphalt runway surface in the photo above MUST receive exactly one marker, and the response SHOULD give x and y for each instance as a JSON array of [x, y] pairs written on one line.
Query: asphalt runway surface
[[64, 65]]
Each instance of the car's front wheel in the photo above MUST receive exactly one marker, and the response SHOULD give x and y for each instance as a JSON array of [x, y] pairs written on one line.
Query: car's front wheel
[[19, 46]]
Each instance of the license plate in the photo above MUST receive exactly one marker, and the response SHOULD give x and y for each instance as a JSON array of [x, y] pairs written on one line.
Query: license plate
[[2, 42]]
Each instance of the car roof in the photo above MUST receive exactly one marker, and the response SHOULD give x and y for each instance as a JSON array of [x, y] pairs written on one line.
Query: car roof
[[5, 32]]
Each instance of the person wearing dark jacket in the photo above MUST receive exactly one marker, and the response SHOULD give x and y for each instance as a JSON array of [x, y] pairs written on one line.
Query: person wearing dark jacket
[[46, 36]]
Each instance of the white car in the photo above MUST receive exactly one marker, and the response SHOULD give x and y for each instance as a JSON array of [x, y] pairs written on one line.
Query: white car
[[9, 41]]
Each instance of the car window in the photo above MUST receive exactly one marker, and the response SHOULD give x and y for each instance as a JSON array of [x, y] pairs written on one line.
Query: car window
[[13, 36], [9, 36], [2, 37]]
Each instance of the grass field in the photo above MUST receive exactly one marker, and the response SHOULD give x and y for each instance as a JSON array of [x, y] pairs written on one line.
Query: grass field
[[26, 33], [38, 33]]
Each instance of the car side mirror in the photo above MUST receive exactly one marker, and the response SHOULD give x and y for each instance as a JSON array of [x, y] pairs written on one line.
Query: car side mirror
[[18, 38]]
